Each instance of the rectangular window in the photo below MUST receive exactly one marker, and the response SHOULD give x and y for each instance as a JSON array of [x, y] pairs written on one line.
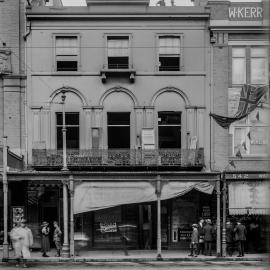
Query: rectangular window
[[169, 53], [258, 65], [251, 135], [238, 65], [73, 130], [118, 52], [66, 53], [118, 130], [169, 129], [249, 65]]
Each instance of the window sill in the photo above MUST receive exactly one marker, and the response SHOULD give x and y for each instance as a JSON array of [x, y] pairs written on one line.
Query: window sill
[[250, 157], [104, 73]]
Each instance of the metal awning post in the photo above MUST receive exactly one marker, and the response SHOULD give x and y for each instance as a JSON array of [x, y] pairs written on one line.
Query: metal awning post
[[158, 192]]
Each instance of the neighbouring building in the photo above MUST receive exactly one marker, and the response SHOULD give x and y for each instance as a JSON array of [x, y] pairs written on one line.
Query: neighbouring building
[[240, 55]]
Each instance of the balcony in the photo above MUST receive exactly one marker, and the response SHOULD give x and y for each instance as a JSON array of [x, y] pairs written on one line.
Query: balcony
[[181, 159]]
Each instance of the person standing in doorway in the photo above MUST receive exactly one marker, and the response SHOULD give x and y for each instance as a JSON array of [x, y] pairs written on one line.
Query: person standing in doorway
[[240, 236], [22, 240], [45, 242], [201, 236], [208, 238], [194, 241], [57, 238]]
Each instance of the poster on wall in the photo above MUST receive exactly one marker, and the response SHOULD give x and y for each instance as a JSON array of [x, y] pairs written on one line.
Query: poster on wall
[[17, 214], [148, 138]]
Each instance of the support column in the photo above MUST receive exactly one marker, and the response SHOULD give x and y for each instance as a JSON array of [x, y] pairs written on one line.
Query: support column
[[5, 191], [71, 237], [224, 193], [158, 192], [218, 217], [65, 250]]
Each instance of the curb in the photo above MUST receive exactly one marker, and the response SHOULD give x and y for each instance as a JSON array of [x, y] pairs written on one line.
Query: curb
[[108, 260]]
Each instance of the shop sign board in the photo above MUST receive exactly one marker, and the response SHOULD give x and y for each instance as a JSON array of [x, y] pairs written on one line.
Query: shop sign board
[[17, 214], [244, 176], [108, 227], [206, 213], [185, 234], [148, 138], [245, 13]]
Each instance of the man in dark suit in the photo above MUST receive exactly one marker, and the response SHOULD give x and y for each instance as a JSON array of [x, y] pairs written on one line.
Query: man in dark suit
[[208, 237], [229, 238], [240, 236]]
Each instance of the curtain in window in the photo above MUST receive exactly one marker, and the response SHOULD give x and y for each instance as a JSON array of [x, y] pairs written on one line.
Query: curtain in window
[[66, 46], [118, 47], [169, 45]]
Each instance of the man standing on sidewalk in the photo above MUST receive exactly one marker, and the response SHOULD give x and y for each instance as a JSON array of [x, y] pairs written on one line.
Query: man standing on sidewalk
[[194, 241], [240, 236], [208, 238]]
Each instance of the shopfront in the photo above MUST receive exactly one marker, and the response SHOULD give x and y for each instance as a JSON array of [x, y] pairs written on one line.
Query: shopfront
[[106, 210], [249, 201]]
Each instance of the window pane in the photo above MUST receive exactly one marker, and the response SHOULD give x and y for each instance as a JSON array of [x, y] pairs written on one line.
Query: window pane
[[118, 62], [258, 142], [238, 52], [169, 63], [169, 136], [72, 138], [118, 118], [258, 52], [169, 118], [238, 71], [118, 137], [169, 45], [71, 118], [66, 46], [67, 66], [258, 70], [240, 135], [259, 117], [118, 47]]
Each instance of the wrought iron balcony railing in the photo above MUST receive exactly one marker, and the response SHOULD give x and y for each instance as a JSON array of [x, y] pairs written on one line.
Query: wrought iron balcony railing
[[120, 157]]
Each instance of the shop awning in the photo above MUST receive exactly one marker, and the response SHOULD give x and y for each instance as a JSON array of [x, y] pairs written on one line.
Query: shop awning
[[249, 197], [91, 196]]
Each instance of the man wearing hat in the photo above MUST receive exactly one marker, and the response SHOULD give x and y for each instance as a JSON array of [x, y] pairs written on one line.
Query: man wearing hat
[[22, 240], [194, 241], [45, 242], [240, 236], [208, 237]]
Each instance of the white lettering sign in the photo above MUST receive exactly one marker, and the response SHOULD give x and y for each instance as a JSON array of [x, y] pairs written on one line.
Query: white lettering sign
[[245, 13], [108, 227]]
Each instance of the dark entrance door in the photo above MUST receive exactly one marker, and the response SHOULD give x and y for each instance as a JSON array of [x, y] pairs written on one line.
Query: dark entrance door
[[50, 214]]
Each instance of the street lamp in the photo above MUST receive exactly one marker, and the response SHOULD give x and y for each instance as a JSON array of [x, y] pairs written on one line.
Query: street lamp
[[64, 131]]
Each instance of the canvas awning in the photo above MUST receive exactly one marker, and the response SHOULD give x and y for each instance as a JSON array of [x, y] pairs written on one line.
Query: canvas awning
[[249, 197], [91, 196]]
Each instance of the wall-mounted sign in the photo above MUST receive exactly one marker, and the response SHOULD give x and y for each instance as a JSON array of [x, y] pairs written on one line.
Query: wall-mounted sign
[[148, 138], [245, 13], [108, 227], [242, 176], [17, 214]]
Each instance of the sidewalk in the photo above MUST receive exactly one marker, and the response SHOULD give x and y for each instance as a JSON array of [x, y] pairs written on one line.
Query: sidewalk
[[137, 256]]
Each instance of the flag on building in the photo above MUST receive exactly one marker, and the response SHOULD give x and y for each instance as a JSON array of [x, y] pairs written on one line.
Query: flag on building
[[249, 99]]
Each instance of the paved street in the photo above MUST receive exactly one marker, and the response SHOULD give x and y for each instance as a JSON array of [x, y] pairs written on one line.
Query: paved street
[[147, 266]]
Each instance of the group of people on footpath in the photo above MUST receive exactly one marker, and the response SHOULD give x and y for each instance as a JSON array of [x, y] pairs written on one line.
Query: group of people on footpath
[[22, 240], [204, 233]]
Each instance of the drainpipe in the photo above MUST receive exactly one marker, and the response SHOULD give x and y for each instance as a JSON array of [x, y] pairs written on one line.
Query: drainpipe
[[158, 192], [224, 194], [5, 191]]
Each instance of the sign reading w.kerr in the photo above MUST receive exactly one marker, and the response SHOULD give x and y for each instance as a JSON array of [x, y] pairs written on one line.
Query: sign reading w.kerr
[[242, 13]]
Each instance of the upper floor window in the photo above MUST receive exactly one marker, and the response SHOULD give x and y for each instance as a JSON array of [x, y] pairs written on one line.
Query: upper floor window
[[169, 129], [249, 65], [73, 130], [66, 53], [118, 130], [118, 52], [169, 53]]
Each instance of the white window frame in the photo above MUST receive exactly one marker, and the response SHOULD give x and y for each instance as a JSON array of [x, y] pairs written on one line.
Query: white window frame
[[181, 56], [111, 35], [78, 57]]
